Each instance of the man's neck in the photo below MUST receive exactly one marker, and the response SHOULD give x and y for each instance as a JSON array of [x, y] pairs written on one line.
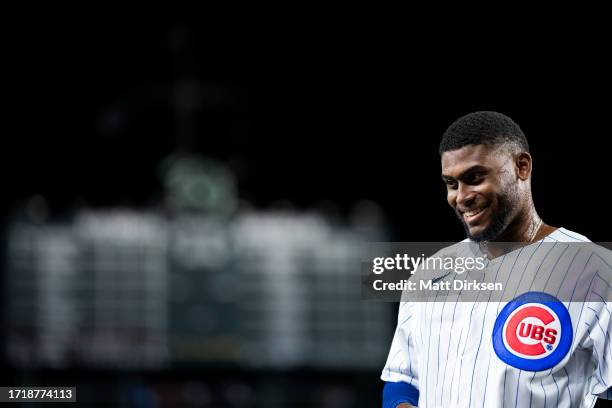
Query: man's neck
[[525, 230]]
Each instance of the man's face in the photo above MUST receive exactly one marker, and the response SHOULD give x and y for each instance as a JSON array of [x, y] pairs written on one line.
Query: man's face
[[482, 188]]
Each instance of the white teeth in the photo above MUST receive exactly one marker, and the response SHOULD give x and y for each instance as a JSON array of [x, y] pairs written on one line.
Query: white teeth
[[473, 213]]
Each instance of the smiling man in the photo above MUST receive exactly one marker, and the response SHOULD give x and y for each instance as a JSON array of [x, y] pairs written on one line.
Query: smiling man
[[486, 167], [548, 345]]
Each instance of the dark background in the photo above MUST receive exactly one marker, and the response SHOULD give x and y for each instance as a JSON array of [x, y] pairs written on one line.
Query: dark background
[[301, 119]]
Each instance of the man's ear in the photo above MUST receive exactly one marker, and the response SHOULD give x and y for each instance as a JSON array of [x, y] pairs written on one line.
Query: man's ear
[[523, 165]]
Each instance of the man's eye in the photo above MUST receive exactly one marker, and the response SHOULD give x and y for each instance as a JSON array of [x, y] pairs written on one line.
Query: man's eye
[[451, 184], [475, 179]]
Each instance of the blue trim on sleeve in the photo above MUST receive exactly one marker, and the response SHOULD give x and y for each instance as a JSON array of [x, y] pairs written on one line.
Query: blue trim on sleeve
[[395, 393]]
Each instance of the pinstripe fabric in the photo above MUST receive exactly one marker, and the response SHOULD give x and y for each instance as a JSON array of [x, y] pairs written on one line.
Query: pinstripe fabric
[[444, 348]]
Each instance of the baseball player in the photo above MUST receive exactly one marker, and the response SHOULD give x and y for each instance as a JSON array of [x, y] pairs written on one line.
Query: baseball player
[[547, 343]]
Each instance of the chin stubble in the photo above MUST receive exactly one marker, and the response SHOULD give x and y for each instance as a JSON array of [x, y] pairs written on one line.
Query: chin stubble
[[500, 220]]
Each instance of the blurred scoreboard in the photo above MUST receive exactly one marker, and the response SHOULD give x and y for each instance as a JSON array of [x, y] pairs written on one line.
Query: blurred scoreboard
[[130, 289]]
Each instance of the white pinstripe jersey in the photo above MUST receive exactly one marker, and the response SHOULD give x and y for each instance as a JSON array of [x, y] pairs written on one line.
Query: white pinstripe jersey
[[445, 348]]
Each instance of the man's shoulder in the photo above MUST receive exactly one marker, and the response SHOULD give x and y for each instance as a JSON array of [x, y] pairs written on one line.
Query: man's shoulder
[[564, 235], [600, 254]]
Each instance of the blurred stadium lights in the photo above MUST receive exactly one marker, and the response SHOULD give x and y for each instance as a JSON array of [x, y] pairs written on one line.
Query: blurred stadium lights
[[131, 289], [234, 293], [193, 182]]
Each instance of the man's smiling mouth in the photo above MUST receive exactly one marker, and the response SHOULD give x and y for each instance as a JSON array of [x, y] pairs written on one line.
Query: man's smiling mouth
[[472, 215]]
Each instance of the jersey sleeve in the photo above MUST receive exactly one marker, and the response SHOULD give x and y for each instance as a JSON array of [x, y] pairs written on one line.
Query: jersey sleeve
[[599, 328], [400, 371], [599, 331]]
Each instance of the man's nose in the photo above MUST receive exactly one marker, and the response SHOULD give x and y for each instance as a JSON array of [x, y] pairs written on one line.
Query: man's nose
[[465, 195]]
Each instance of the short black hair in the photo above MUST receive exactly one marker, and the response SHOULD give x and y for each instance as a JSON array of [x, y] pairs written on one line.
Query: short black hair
[[483, 127]]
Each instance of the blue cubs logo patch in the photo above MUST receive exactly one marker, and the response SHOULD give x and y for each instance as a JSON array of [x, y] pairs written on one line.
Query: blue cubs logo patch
[[533, 332]]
